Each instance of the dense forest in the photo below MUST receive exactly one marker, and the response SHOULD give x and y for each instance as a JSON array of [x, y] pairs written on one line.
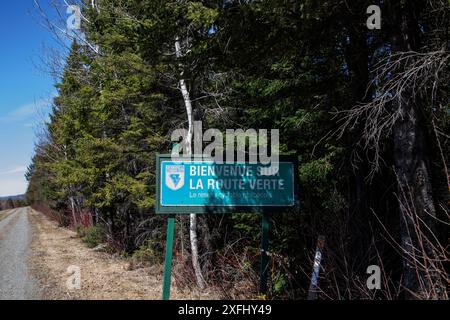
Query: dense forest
[[365, 110]]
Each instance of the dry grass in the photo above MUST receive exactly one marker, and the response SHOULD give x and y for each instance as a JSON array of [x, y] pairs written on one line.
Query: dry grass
[[103, 276]]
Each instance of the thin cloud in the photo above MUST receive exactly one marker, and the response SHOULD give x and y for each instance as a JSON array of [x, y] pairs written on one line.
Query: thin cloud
[[19, 169], [28, 111]]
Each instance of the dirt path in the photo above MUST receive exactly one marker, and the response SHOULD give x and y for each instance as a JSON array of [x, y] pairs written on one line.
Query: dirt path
[[103, 276], [16, 280]]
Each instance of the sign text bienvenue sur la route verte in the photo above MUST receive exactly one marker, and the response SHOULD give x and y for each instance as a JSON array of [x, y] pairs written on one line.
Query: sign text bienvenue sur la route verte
[[204, 186], [198, 185]]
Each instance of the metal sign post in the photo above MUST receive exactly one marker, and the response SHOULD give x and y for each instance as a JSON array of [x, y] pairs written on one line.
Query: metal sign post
[[264, 256], [168, 259]]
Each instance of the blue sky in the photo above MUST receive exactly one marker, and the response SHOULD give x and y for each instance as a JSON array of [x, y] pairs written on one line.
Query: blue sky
[[25, 91]]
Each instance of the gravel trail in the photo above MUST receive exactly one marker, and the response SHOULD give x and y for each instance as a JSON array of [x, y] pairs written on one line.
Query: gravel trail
[[16, 283]]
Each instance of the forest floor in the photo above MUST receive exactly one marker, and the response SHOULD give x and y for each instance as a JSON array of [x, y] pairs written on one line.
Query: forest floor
[[56, 252]]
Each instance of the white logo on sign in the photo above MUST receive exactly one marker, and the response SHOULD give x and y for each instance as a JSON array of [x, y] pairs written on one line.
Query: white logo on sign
[[174, 176]]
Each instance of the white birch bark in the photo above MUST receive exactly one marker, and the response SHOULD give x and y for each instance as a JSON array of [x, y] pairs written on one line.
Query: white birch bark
[[192, 217], [71, 200]]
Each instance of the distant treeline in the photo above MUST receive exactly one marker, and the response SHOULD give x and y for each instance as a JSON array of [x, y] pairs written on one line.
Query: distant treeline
[[12, 202], [366, 112]]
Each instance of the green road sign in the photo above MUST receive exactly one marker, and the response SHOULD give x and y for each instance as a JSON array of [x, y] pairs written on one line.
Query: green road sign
[[195, 185], [202, 186]]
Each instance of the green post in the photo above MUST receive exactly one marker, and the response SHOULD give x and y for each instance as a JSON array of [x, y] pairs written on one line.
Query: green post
[[264, 256], [168, 259]]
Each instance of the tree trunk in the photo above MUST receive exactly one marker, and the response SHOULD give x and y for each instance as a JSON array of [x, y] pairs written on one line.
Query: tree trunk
[[192, 217], [71, 199], [417, 210], [72, 208]]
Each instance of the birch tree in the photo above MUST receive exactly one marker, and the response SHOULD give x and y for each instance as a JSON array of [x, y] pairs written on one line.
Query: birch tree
[[188, 148]]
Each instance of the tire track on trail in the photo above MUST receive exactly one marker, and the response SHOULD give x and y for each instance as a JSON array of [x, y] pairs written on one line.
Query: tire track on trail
[[16, 282]]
